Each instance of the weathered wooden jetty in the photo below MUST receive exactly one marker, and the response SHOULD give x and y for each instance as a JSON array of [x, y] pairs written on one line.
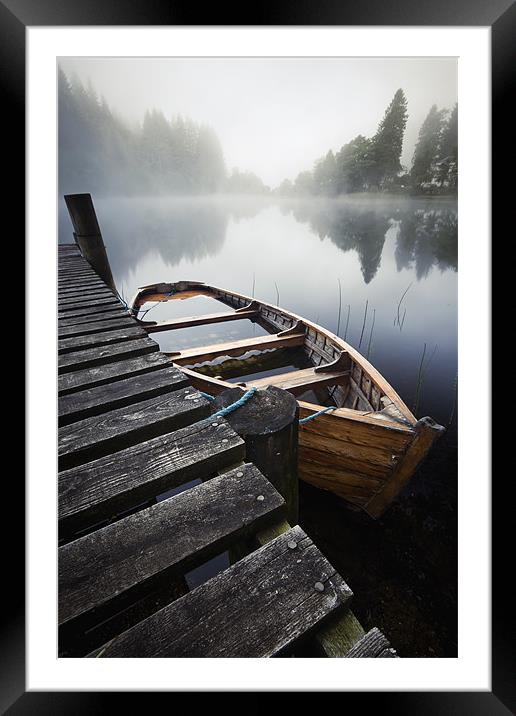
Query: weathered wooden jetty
[[131, 429]]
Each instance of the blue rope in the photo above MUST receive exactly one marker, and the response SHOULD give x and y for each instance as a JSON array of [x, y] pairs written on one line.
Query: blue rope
[[234, 406], [207, 395], [319, 412]]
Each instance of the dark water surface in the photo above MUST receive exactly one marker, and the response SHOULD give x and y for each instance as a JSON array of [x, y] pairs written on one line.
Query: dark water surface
[[399, 256]]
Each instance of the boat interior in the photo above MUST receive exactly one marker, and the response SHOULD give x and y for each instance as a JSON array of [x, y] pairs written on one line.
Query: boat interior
[[252, 343]]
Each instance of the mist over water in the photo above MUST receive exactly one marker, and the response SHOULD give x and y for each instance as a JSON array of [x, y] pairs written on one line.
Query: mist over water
[[297, 250]]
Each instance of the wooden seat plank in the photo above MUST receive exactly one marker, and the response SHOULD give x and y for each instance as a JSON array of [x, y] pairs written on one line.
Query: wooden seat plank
[[95, 326], [101, 355], [299, 381], [259, 607], [155, 327], [95, 401], [207, 353], [97, 436], [92, 340], [169, 537], [113, 484], [100, 375]]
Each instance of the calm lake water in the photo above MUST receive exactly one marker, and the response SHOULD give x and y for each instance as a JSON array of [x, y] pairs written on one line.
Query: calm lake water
[[297, 251]]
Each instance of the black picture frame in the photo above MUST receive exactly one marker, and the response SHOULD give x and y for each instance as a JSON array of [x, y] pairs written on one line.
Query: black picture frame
[[15, 17]]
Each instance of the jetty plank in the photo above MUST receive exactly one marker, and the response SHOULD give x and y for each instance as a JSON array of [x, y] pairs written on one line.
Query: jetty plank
[[93, 340], [84, 292], [100, 375], [69, 249], [207, 353], [94, 401], [74, 304], [72, 271], [74, 283], [113, 484], [258, 607], [169, 537], [97, 436], [80, 315], [98, 326], [100, 355], [79, 321]]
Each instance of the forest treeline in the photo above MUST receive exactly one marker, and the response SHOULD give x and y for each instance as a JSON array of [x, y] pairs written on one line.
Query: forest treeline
[[99, 151], [374, 163]]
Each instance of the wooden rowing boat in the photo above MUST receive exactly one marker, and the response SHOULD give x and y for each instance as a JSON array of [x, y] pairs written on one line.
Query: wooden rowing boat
[[365, 449]]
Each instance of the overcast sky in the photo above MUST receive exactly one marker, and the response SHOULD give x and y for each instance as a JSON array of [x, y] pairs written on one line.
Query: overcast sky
[[274, 117]]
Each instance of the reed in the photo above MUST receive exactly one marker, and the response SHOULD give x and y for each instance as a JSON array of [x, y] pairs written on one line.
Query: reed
[[363, 324], [340, 305], [252, 294], [419, 381], [397, 319], [277, 294], [421, 375], [347, 321], [371, 335], [403, 319]]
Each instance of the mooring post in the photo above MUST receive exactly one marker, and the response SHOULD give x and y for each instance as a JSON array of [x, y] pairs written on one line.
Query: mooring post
[[268, 424], [87, 235]]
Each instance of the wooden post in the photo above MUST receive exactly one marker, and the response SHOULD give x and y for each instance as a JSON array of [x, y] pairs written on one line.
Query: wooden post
[[268, 424], [87, 235]]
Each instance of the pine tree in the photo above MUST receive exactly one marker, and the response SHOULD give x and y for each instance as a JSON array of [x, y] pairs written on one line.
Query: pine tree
[[387, 143], [448, 152], [354, 163], [324, 175], [426, 152]]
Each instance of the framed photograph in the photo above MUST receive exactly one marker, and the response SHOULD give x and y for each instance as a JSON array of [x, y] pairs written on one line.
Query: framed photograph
[[317, 193]]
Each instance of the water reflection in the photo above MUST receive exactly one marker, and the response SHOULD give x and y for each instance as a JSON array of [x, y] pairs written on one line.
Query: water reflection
[[425, 236], [194, 229]]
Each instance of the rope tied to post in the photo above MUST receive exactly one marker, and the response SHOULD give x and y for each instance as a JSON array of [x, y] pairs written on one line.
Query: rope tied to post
[[234, 406]]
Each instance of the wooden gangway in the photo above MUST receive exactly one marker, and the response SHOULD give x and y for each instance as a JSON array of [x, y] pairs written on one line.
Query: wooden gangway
[[131, 428]]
